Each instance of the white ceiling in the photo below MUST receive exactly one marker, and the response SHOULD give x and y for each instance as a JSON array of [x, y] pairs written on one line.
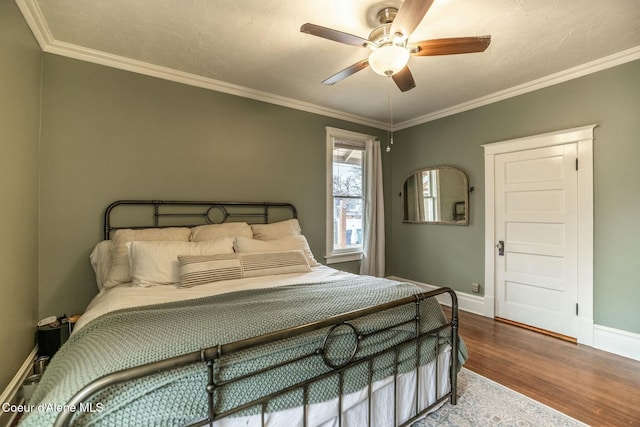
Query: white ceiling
[[254, 48]]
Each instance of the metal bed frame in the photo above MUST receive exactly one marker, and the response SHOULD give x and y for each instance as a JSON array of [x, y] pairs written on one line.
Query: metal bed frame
[[198, 213], [337, 365]]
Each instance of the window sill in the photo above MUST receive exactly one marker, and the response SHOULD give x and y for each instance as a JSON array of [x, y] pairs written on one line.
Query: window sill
[[337, 258]]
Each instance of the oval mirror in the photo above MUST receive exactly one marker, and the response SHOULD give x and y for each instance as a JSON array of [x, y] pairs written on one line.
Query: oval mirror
[[437, 195]]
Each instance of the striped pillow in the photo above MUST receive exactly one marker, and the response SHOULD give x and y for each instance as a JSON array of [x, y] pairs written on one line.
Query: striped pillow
[[199, 270], [268, 263]]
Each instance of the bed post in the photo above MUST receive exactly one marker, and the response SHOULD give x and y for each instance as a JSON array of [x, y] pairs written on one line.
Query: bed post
[[454, 348], [211, 385]]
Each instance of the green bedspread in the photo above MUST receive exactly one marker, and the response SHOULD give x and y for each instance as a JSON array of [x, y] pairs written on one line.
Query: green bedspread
[[133, 337]]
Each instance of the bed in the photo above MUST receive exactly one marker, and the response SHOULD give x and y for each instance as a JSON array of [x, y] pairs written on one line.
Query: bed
[[217, 313]]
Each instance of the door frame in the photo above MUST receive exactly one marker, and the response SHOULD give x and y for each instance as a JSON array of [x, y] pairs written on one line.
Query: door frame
[[584, 137]]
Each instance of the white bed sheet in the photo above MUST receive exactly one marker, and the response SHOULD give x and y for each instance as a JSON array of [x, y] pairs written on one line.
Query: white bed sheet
[[355, 406], [128, 296]]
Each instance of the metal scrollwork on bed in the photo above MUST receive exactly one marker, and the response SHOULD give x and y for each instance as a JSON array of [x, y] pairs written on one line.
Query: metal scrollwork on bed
[[395, 344]]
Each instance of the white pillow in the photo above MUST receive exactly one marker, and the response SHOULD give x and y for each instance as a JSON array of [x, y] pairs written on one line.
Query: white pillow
[[289, 243], [276, 230], [101, 261], [120, 270], [217, 231], [156, 263]]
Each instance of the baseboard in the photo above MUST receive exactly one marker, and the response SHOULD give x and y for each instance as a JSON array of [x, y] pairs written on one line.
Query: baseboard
[[12, 393], [467, 302], [616, 341]]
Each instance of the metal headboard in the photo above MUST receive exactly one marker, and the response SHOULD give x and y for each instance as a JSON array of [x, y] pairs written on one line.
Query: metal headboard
[[185, 213]]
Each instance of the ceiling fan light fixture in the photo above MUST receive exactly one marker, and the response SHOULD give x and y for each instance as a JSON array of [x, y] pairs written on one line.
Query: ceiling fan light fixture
[[389, 59], [388, 42]]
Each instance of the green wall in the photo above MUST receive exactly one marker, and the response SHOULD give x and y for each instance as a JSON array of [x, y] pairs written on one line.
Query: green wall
[[109, 134], [454, 256], [20, 66]]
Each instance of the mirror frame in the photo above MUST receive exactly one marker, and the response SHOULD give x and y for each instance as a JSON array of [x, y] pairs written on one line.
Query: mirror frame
[[466, 197]]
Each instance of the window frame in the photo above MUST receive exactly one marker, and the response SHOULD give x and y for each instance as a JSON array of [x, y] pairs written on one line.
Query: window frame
[[333, 255]]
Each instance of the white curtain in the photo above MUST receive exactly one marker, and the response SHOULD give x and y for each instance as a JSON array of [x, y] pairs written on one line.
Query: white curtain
[[414, 198], [372, 263]]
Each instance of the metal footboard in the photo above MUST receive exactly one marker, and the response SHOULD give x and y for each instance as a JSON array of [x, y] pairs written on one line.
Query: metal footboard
[[212, 356]]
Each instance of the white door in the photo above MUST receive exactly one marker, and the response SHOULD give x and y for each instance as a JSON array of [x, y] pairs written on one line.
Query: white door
[[536, 217]]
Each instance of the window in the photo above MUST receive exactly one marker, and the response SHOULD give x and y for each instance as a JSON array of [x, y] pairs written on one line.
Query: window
[[430, 195], [346, 153]]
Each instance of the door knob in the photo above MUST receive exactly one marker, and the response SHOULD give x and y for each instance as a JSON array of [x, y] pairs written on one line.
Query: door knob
[[500, 247]]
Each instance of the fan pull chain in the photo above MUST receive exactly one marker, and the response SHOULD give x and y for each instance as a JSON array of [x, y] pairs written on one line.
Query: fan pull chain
[[390, 132]]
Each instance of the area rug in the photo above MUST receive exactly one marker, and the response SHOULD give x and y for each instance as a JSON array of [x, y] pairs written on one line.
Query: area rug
[[482, 402]]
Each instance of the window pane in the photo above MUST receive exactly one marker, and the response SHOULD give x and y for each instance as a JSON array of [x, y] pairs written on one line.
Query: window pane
[[347, 223], [426, 184], [347, 172]]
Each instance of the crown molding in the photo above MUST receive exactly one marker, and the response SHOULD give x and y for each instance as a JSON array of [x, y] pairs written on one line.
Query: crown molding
[[550, 80], [34, 18], [140, 67], [36, 22]]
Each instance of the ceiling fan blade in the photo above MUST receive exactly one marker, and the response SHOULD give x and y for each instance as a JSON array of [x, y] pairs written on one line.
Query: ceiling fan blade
[[409, 16], [450, 46], [335, 35], [352, 69], [404, 79]]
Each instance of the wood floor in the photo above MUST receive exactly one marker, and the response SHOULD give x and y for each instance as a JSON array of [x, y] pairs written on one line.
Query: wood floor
[[595, 387]]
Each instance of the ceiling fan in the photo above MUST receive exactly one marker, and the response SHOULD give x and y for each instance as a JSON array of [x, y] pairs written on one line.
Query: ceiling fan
[[390, 50]]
